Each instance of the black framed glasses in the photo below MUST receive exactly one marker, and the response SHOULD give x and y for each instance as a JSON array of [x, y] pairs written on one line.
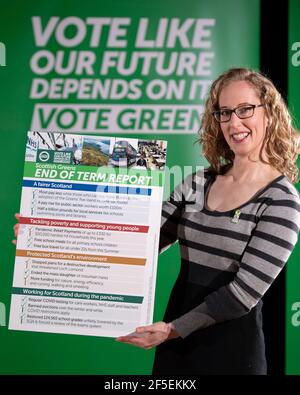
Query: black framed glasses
[[242, 112]]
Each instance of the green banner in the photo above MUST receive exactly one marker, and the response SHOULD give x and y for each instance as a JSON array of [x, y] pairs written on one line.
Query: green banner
[[293, 270], [131, 68]]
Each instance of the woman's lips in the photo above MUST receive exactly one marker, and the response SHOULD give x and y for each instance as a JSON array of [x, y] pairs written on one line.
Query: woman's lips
[[239, 137]]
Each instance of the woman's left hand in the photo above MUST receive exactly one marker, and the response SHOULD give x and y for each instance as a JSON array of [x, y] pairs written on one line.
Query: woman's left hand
[[150, 336]]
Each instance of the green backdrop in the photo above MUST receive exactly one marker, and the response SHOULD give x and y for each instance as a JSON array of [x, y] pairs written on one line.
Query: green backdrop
[[293, 270], [233, 40]]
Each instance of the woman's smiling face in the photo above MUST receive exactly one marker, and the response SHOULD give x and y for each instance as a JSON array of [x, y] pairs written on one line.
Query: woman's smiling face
[[244, 136]]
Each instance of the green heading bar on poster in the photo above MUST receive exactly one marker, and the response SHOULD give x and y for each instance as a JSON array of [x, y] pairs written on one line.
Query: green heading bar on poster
[[94, 174], [77, 295]]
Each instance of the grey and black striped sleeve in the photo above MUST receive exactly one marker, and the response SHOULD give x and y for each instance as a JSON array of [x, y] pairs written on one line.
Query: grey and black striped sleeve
[[266, 253], [189, 192], [170, 217]]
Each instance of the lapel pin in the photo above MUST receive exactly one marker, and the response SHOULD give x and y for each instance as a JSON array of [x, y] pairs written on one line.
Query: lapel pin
[[236, 216]]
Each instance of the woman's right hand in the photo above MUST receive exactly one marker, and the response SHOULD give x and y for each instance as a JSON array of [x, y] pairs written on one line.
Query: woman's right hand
[[16, 228]]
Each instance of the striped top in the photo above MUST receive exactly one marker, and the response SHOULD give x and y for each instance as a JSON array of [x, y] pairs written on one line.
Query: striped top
[[251, 243]]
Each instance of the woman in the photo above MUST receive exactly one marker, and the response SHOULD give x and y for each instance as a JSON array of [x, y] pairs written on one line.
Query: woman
[[233, 248]]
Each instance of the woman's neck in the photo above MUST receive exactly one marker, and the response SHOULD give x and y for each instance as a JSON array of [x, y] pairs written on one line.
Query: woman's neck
[[244, 169]]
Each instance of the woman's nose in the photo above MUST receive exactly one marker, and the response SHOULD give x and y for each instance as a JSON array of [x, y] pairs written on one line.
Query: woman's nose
[[234, 120]]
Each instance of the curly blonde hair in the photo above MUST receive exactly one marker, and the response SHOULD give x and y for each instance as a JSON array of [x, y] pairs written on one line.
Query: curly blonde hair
[[281, 140]]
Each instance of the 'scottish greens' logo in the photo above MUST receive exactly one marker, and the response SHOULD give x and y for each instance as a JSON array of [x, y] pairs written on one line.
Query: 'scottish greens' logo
[[44, 156], [2, 55], [2, 314], [51, 156]]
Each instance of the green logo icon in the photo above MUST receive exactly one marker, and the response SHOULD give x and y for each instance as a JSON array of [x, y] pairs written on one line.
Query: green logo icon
[[44, 156]]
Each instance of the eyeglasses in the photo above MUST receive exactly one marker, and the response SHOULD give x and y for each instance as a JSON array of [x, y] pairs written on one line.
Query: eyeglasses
[[242, 112]]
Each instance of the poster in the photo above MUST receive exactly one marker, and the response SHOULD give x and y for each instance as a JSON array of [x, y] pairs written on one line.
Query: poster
[[89, 230]]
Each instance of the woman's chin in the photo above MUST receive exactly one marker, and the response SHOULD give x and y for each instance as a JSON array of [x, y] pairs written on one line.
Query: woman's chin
[[241, 151]]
